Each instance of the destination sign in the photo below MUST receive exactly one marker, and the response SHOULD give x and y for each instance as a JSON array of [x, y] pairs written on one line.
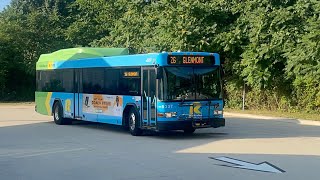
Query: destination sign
[[131, 74], [190, 60]]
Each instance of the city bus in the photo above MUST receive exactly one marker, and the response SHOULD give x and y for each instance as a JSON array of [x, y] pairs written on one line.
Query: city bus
[[155, 91]]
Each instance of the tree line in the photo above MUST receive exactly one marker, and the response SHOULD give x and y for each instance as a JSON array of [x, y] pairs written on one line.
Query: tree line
[[270, 48]]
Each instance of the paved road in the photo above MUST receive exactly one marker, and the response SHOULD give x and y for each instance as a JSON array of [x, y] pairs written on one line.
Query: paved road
[[33, 147]]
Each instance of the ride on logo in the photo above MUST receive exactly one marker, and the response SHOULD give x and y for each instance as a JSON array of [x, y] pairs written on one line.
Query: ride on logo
[[67, 106], [195, 110]]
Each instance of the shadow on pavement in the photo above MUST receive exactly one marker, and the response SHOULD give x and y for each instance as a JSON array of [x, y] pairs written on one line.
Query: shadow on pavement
[[236, 128]]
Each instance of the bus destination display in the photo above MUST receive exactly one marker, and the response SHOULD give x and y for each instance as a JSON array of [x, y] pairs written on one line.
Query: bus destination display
[[131, 74], [190, 60]]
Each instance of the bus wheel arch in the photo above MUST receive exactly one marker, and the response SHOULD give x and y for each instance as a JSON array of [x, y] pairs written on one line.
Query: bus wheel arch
[[57, 112], [54, 104], [131, 120], [125, 114]]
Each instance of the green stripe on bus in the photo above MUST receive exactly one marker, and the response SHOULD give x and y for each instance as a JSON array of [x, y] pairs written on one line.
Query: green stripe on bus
[[40, 98]]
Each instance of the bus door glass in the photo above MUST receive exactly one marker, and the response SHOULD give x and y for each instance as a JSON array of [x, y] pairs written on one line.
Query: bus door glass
[[149, 97], [77, 90]]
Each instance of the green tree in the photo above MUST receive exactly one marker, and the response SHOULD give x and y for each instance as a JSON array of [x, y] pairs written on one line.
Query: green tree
[[31, 28]]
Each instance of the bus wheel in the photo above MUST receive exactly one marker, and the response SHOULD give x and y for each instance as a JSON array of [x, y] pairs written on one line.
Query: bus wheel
[[189, 130], [57, 115], [134, 123]]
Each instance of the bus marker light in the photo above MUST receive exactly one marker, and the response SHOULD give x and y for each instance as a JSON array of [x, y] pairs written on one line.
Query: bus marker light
[[160, 115]]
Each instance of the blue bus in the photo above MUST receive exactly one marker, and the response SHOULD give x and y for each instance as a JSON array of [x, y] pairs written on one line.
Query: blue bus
[[154, 91]]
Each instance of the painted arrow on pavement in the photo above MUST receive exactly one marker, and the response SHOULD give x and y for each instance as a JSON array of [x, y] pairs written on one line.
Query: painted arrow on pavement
[[264, 166]]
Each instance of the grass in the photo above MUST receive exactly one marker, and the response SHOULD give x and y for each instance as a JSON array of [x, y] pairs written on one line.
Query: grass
[[295, 115]]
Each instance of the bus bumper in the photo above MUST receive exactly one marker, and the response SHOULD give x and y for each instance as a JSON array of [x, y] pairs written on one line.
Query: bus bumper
[[185, 124]]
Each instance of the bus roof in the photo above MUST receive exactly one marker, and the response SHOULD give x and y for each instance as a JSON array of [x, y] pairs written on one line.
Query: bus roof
[[81, 53], [110, 57]]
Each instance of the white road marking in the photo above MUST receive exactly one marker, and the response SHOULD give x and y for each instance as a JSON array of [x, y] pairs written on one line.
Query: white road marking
[[24, 152], [264, 166], [50, 152]]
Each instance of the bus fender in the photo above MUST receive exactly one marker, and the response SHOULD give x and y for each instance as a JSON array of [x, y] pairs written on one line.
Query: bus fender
[[56, 100], [126, 112]]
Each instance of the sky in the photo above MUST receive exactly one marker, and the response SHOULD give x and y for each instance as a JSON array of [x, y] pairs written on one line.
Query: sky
[[4, 3]]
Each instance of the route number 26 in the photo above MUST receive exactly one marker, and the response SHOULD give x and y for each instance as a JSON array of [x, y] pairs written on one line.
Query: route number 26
[[173, 60]]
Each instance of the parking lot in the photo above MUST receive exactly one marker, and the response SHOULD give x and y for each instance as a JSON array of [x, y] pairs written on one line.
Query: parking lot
[[33, 147]]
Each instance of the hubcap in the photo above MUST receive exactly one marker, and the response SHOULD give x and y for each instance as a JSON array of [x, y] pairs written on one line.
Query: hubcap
[[132, 120], [56, 113]]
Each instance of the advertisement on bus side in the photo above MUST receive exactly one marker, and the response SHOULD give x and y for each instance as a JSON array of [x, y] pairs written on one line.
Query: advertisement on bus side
[[102, 104]]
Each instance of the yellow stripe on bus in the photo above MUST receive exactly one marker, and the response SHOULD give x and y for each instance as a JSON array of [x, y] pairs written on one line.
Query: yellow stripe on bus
[[47, 103]]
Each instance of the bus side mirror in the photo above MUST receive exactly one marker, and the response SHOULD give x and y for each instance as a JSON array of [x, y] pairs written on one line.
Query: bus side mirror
[[159, 72]]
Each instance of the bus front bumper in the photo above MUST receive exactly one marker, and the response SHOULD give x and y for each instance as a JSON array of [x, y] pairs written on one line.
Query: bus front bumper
[[187, 124]]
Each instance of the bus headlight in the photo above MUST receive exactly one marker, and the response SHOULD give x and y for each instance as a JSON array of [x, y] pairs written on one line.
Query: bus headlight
[[170, 114], [217, 112], [167, 114]]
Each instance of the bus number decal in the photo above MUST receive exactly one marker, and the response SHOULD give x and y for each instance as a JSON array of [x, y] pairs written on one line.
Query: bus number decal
[[166, 106]]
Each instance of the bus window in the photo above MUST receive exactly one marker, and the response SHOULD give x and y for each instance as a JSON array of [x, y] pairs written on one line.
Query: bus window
[[55, 80], [111, 85], [93, 80], [130, 81]]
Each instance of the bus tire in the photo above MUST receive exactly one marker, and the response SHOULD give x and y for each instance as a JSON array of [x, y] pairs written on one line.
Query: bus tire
[[189, 130], [58, 114], [134, 123]]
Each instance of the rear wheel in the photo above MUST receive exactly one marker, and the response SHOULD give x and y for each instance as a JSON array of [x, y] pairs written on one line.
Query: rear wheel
[[134, 123], [58, 115]]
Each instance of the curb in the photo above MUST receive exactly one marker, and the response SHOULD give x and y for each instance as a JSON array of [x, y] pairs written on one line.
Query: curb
[[308, 122], [289, 120]]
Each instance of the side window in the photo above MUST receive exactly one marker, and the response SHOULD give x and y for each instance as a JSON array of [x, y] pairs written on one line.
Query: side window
[[38, 81], [47, 81], [130, 82], [124, 81], [93, 80], [67, 79], [112, 80], [55, 80]]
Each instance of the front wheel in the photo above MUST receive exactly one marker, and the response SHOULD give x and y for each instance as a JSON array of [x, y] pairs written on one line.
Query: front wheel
[[134, 123], [58, 116]]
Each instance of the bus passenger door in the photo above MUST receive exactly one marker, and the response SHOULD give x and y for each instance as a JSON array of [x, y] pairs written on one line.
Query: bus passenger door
[[149, 98], [77, 90]]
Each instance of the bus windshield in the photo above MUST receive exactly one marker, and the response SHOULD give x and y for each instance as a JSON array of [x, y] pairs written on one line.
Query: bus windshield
[[191, 83]]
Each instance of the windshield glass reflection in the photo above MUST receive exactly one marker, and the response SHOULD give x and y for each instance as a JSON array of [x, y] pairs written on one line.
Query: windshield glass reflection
[[192, 83]]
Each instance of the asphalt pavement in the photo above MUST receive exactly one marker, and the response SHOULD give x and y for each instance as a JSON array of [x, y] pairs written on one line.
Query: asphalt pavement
[[33, 147]]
